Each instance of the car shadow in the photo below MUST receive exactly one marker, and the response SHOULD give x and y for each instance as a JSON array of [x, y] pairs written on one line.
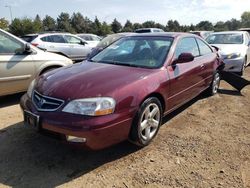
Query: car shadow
[[29, 159], [10, 100], [230, 92]]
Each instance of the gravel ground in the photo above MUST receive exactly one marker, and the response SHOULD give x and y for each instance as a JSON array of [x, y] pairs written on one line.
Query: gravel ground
[[206, 143]]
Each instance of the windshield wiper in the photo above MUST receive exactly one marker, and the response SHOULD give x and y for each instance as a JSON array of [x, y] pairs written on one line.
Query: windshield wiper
[[119, 63]]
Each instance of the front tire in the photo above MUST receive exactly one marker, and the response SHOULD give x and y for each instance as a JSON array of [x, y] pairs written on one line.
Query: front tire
[[147, 122]]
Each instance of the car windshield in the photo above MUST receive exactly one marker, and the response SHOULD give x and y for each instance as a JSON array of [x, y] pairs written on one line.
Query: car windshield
[[146, 52], [232, 38]]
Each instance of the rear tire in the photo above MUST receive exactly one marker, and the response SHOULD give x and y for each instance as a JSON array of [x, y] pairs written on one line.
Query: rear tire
[[147, 122], [214, 86]]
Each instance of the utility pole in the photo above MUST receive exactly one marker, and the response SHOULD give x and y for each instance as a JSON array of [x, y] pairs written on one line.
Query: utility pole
[[8, 6]]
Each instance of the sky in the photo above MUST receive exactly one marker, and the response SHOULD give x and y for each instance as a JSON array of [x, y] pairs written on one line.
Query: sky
[[186, 12]]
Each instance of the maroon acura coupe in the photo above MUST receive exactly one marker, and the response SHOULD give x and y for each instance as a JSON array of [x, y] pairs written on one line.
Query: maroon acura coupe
[[124, 91]]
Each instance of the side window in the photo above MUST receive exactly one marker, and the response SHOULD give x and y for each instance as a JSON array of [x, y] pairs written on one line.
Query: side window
[[187, 45], [57, 39], [72, 39], [9, 45], [204, 48], [46, 39]]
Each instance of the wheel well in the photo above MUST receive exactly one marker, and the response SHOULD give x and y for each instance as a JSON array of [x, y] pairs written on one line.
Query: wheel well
[[48, 68], [159, 97]]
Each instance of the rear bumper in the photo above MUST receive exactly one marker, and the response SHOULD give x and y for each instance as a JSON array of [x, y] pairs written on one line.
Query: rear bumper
[[97, 132], [234, 65]]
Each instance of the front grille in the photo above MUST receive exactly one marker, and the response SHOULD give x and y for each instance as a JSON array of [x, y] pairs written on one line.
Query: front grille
[[44, 103]]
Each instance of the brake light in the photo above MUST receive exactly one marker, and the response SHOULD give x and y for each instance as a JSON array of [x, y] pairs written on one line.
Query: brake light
[[34, 44]]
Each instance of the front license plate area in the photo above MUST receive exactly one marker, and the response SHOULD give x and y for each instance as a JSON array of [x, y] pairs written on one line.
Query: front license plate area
[[31, 120]]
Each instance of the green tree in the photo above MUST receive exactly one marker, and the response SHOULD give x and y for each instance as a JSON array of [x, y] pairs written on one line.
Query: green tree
[[63, 23], [160, 26], [173, 26], [220, 26], [49, 23], [137, 26], [245, 19], [21, 27], [4, 24], [78, 23], [233, 24], [38, 25], [116, 26], [148, 24], [128, 27], [105, 29], [205, 26]]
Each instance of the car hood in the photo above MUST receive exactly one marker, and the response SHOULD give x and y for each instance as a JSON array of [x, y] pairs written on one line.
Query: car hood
[[226, 49], [87, 79]]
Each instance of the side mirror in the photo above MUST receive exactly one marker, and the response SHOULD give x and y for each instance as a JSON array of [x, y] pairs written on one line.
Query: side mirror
[[216, 48], [184, 58], [27, 48], [83, 42]]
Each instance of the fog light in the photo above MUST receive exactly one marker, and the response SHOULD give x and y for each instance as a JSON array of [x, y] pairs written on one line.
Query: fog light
[[75, 139]]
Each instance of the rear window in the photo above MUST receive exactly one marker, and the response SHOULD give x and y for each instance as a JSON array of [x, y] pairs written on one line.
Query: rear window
[[229, 38], [143, 31], [29, 38]]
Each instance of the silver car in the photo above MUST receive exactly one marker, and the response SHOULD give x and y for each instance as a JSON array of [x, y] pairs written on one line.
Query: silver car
[[21, 62], [65, 44], [234, 48], [91, 39]]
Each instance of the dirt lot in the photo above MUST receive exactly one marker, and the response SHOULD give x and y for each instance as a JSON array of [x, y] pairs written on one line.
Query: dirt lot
[[204, 144]]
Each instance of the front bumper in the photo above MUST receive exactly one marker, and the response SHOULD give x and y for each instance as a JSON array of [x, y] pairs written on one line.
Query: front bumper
[[97, 132], [234, 65]]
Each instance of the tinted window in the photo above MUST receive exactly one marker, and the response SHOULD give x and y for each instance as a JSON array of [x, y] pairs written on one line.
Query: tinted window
[[47, 39], [204, 48], [9, 45], [229, 38], [57, 39], [143, 31], [147, 52], [187, 45], [29, 38], [72, 39]]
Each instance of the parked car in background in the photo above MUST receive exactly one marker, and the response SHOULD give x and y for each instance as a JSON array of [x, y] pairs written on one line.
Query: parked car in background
[[65, 44], [203, 34], [245, 29], [91, 39], [21, 62], [148, 30], [124, 91], [106, 42], [234, 47]]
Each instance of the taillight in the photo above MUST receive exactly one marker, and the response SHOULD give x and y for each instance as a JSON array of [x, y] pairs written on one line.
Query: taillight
[[34, 44]]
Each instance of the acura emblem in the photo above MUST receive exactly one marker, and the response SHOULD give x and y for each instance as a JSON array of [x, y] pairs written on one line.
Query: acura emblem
[[41, 102]]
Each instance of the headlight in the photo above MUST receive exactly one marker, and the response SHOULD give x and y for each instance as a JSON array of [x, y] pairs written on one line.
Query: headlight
[[91, 106], [31, 88], [232, 56]]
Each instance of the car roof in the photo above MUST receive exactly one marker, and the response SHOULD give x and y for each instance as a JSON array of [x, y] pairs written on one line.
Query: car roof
[[86, 34], [244, 29], [230, 32], [164, 34]]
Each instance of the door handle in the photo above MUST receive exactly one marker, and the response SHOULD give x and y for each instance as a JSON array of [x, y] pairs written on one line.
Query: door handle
[[52, 46]]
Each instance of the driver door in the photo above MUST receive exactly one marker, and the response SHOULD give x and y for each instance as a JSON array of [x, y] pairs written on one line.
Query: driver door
[[16, 68], [184, 77]]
